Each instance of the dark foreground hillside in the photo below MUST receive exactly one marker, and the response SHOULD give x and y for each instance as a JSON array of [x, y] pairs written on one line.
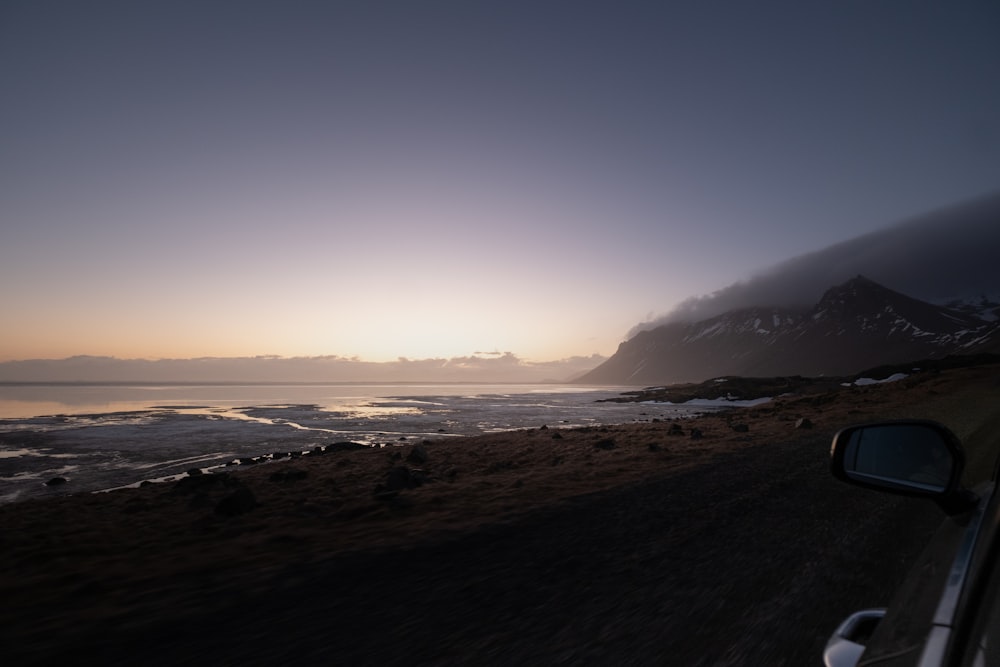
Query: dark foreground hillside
[[630, 544]]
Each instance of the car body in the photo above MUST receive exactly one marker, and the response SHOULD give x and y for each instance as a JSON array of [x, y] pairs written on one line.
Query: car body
[[948, 610]]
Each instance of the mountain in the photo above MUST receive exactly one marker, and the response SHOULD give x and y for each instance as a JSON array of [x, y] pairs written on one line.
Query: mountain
[[946, 256], [855, 325]]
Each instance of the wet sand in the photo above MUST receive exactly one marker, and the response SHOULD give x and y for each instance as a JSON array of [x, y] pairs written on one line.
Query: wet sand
[[631, 544]]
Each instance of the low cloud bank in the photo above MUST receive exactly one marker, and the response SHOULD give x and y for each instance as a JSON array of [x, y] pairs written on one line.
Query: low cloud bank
[[948, 254], [490, 368]]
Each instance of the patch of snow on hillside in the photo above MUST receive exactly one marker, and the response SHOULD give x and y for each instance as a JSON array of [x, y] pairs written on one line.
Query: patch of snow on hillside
[[984, 306], [977, 340], [725, 402], [864, 382], [708, 331], [953, 317], [638, 368]]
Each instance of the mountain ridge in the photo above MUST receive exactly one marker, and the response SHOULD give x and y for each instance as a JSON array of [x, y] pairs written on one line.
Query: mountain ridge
[[855, 325], [946, 257]]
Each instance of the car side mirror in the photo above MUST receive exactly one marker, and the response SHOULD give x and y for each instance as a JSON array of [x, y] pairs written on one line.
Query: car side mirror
[[910, 457]]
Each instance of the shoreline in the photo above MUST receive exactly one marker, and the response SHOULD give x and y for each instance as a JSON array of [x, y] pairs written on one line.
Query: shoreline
[[343, 551], [166, 438]]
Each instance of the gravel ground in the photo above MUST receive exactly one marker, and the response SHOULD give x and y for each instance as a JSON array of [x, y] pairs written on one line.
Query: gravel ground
[[534, 547]]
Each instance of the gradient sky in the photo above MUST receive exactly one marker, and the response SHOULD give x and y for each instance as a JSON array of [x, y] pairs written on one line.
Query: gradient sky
[[434, 179]]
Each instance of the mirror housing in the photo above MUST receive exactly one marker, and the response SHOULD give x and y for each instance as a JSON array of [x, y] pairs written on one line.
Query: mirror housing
[[845, 647], [909, 457]]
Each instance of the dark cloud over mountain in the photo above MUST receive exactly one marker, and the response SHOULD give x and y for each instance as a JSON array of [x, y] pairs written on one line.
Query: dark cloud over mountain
[[952, 253]]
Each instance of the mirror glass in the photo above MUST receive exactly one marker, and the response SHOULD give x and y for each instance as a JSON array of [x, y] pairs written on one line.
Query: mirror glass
[[909, 455]]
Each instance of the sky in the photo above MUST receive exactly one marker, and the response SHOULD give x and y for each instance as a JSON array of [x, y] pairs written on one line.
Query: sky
[[442, 179]]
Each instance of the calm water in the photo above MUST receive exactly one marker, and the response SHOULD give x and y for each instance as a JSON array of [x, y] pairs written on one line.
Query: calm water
[[19, 401], [102, 436]]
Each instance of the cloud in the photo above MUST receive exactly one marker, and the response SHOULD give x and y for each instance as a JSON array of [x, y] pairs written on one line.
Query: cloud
[[947, 254]]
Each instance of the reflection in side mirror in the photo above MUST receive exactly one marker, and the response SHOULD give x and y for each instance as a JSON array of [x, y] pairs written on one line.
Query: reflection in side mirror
[[912, 457]]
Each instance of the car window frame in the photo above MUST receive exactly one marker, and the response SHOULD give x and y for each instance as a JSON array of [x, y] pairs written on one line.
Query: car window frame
[[980, 597]]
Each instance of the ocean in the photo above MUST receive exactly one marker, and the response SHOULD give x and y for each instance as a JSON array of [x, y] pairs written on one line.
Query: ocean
[[101, 436]]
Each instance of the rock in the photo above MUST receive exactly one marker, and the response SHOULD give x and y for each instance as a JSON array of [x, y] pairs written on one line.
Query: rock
[[696, 434], [201, 482], [238, 502], [194, 472], [741, 427], [606, 443], [291, 475], [804, 422], [417, 455], [56, 481], [397, 479], [675, 429], [655, 447], [557, 436], [345, 446]]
